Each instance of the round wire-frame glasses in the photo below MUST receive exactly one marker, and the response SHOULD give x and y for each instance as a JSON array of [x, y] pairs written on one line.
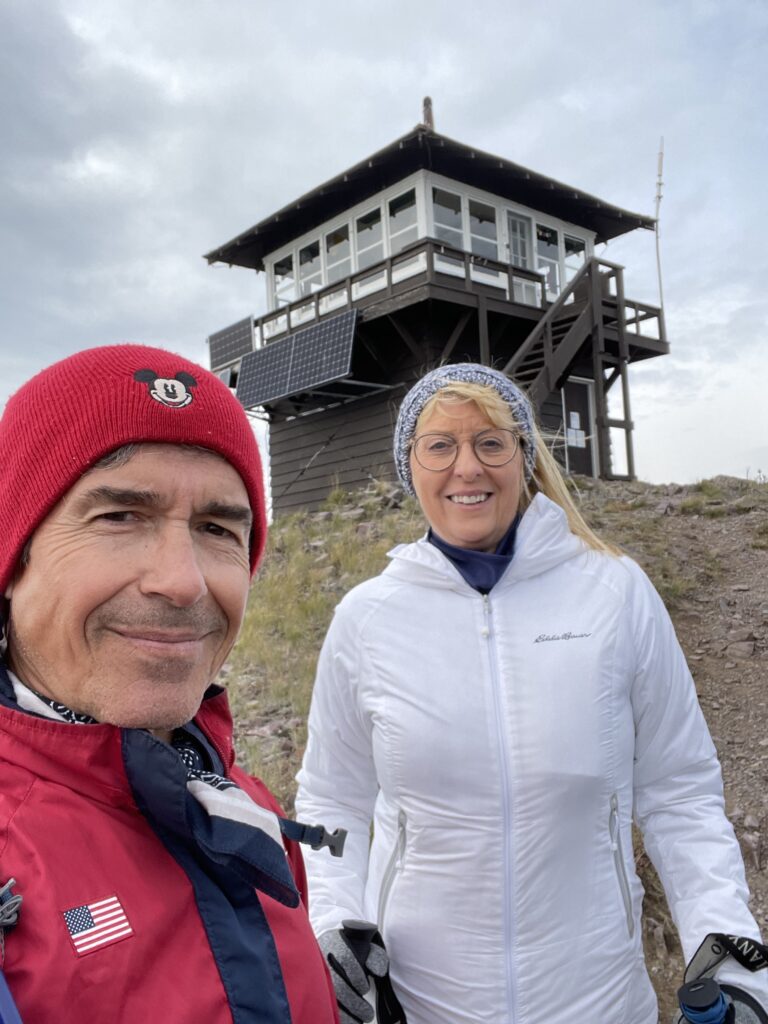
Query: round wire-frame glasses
[[494, 447]]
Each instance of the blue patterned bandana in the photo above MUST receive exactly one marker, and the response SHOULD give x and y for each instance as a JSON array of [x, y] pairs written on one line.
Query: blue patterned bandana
[[470, 373]]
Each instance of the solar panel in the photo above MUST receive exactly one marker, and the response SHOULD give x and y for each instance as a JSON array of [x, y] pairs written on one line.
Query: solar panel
[[227, 345], [300, 362], [264, 374]]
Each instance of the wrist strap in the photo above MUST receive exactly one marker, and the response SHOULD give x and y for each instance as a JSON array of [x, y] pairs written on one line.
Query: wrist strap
[[388, 1008], [717, 947], [749, 953]]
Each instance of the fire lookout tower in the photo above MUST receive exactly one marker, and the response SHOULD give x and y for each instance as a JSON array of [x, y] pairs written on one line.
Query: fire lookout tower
[[426, 252]]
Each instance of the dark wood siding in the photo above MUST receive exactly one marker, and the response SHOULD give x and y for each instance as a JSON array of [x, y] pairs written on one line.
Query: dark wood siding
[[552, 427], [551, 413], [347, 446]]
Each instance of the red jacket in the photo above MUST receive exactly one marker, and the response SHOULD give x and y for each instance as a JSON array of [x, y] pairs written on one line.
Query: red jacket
[[73, 837]]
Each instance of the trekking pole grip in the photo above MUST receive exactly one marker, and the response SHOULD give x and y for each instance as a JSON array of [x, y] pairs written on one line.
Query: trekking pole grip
[[358, 935]]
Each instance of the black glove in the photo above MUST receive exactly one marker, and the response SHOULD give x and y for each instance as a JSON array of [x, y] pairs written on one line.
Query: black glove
[[350, 977]]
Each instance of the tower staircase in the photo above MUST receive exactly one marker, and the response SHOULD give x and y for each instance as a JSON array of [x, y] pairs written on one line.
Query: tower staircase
[[591, 322]]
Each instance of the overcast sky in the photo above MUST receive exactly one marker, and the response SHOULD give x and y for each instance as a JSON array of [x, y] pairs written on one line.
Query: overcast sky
[[137, 136]]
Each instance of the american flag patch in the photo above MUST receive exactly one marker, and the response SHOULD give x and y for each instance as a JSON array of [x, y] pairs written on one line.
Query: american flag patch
[[96, 924]]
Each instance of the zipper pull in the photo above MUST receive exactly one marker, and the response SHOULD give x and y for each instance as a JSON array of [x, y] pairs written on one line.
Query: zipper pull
[[485, 632]]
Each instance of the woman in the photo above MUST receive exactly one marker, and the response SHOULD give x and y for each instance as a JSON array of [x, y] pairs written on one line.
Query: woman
[[498, 703]]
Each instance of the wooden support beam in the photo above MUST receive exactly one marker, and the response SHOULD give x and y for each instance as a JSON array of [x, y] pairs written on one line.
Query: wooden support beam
[[630, 424], [369, 348], [497, 334], [598, 352], [456, 333], [482, 330], [621, 327], [621, 318], [406, 337]]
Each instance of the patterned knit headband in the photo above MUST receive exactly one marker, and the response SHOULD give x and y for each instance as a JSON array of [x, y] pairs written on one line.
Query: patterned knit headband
[[469, 373]]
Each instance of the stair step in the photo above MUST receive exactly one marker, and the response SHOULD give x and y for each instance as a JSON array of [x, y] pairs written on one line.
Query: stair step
[[535, 358]]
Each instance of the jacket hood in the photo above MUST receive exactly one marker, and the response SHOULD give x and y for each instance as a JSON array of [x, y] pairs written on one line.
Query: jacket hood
[[543, 541]]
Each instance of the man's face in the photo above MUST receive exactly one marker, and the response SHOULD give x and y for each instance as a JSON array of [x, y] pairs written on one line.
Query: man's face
[[135, 588]]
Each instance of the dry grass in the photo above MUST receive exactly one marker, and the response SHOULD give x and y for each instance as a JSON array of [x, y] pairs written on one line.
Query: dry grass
[[311, 561]]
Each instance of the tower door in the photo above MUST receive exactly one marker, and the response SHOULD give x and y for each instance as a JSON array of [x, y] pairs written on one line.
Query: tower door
[[579, 421], [519, 247]]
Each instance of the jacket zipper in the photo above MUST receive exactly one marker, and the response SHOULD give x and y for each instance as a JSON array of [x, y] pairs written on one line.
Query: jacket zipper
[[393, 864], [503, 746], [614, 829]]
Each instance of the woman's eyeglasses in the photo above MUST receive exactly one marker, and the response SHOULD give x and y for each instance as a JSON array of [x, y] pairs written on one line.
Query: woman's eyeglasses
[[494, 447]]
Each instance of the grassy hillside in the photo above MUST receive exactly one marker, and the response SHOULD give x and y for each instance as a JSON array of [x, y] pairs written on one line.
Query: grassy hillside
[[312, 559]]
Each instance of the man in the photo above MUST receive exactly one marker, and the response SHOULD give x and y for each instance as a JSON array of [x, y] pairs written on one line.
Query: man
[[153, 873]]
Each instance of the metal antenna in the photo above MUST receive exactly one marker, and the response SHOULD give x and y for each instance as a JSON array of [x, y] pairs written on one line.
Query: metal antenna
[[659, 184], [427, 118]]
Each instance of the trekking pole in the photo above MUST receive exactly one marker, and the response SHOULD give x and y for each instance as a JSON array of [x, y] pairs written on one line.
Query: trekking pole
[[703, 1001], [360, 936]]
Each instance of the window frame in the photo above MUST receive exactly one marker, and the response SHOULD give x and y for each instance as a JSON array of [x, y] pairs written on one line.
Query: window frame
[[330, 265], [410, 227], [380, 242], [413, 182], [423, 182], [482, 238]]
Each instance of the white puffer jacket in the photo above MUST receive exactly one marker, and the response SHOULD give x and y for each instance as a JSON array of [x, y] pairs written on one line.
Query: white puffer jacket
[[501, 746]]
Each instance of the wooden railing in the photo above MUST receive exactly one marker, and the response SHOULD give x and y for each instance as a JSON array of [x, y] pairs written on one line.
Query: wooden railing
[[596, 293], [427, 258]]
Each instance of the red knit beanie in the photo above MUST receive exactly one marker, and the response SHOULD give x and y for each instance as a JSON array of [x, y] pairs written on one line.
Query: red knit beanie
[[70, 415]]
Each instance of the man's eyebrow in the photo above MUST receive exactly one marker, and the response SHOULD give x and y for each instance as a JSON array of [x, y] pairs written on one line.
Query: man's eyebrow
[[130, 498], [233, 513], [116, 496]]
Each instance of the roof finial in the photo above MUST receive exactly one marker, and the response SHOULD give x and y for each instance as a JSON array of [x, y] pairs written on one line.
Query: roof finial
[[427, 118]]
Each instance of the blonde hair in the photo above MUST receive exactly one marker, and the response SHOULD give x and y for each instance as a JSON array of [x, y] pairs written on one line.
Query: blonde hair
[[547, 476]]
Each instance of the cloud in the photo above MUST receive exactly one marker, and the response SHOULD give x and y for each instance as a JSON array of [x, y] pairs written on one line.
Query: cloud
[[140, 136]]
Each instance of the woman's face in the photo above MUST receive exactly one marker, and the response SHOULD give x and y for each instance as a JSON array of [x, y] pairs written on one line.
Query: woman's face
[[469, 504]]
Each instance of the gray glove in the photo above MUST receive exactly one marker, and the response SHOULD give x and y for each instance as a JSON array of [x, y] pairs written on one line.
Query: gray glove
[[350, 977]]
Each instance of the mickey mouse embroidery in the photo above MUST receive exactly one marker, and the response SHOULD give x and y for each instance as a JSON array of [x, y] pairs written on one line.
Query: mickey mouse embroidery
[[172, 392]]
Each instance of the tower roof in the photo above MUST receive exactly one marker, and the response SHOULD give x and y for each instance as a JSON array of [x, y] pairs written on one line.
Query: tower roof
[[423, 148]]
